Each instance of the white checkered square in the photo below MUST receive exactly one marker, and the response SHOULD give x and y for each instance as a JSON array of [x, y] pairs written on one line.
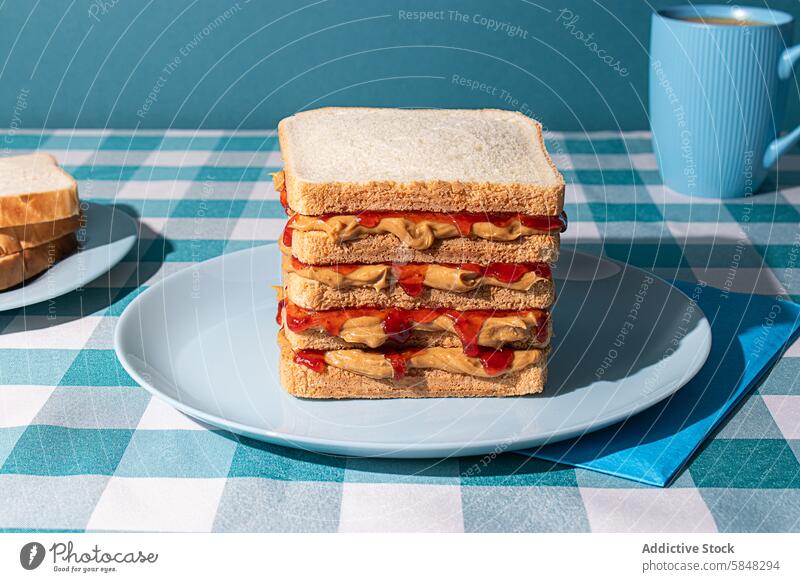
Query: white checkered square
[[258, 229], [177, 158], [72, 157], [155, 189], [269, 159], [161, 416], [792, 195], [45, 332], [382, 507], [647, 510], [157, 504], [644, 161], [785, 410], [192, 133], [574, 194], [20, 404], [193, 228], [264, 190], [117, 158], [73, 132]]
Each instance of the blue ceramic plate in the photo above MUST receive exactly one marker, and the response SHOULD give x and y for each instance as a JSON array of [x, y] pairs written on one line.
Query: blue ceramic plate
[[204, 340], [106, 236]]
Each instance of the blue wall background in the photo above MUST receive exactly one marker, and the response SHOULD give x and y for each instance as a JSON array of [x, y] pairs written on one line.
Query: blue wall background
[[229, 64]]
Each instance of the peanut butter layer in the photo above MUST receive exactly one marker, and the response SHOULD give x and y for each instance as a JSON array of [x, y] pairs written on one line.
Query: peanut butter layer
[[418, 235], [530, 327], [310, 294], [453, 360], [382, 277], [495, 331]]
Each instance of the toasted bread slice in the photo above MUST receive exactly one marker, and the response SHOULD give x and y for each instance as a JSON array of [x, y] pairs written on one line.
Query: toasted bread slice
[[317, 248], [311, 294], [16, 238], [34, 189], [335, 383], [24, 264], [342, 159]]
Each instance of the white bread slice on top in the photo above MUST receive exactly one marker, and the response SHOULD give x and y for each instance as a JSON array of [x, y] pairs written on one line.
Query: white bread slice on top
[[346, 160], [33, 189]]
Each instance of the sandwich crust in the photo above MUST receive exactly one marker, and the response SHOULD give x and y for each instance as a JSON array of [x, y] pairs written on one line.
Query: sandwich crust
[[312, 198]]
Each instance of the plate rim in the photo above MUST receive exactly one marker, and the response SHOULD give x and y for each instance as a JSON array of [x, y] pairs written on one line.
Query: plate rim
[[358, 448], [79, 282]]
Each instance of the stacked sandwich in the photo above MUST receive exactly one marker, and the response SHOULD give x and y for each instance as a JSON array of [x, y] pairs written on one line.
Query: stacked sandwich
[[39, 215], [416, 258]]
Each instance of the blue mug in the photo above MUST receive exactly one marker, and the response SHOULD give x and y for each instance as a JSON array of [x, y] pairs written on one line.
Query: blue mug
[[718, 95]]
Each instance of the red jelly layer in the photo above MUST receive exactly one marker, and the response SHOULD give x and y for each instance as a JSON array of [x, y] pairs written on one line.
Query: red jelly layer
[[284, 201], [398, 324], [410, 276], [279, 315], [398, 362], [314, 359], [494, 362], [287, 236]]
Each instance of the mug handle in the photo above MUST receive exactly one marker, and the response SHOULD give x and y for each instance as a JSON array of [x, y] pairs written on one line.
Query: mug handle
[[780, 145]]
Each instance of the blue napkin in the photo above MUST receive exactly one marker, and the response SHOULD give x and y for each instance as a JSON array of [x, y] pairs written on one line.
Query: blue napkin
[[749, 334]]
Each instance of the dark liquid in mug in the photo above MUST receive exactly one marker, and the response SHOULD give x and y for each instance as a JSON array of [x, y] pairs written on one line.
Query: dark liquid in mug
[[721, 20]]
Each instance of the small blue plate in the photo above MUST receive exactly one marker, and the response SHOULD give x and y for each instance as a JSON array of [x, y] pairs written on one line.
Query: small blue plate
[[106, 236], [204, 340]]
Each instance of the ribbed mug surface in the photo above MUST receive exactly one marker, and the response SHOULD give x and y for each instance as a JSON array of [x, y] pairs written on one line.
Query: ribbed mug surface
[[716, 98]]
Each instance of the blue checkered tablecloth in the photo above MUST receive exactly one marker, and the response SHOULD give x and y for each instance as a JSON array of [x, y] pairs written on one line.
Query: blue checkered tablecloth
[[83, 448]]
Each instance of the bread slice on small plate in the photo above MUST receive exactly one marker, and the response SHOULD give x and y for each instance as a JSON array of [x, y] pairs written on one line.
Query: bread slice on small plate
[[16, 238], [26, 263], [34, 189], [343, 159]]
